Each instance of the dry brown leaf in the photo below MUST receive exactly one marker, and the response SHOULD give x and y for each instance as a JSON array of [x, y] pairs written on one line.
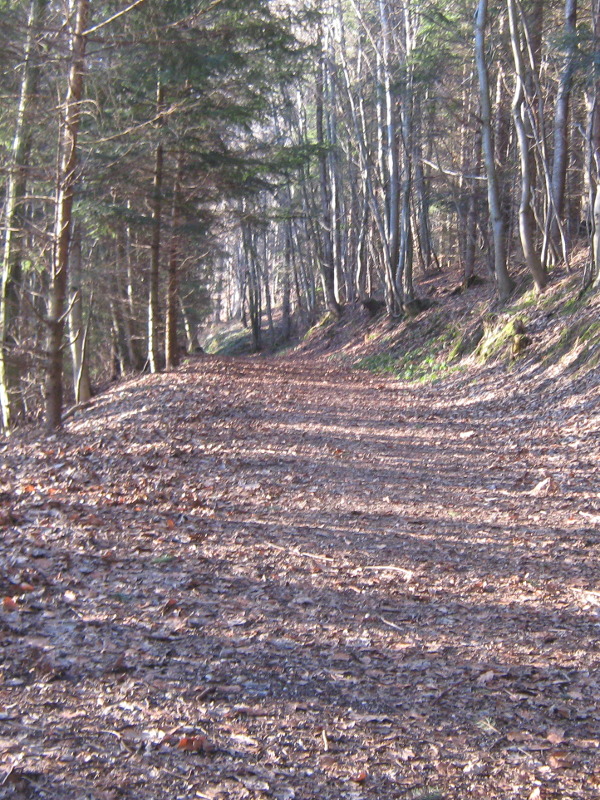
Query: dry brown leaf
[[555, 735], [560, 759], [195, 744], [486, 677]]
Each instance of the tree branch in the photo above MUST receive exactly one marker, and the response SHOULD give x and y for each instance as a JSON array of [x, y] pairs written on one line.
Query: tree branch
[[111, 19]]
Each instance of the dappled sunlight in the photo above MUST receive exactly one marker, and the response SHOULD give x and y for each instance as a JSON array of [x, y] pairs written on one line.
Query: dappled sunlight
[[298, 591]]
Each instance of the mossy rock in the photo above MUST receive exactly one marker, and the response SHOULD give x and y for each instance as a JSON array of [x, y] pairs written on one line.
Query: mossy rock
[[520, 343], [412, 308], [497, 337], [467, 343]]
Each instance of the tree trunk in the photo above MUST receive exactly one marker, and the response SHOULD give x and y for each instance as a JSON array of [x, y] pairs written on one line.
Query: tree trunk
[[154, 277], [16, 191], [423, 224], [473, 210], [286, 283], [404, 273], [596, 237], [390, 168], [124, 293], [526, 217], [561, 126], [254, 286], [171, 345], [594, 132], [78, 332], [327, 256], [190, 337], [69, 130], [504, 282]]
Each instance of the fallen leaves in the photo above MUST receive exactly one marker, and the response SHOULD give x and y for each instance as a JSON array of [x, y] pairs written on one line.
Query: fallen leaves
[[292, 598]]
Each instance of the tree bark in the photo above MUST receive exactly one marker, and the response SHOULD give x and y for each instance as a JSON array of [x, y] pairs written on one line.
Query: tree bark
[[526, 216], [504, 282], [78, 332], [561, 125], [327, 256], [390, 168], [154, 277], [171, 344], [16, 190], [594, 132], [67, 175]]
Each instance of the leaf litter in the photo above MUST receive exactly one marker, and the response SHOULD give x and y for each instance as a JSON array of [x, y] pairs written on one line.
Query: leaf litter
[[265, 578]]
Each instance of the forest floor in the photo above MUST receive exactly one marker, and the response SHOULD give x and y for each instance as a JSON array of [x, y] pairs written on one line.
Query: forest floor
[[275, 578]]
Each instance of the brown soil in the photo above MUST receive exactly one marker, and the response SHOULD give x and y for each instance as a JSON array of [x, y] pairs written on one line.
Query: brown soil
[[265, 578]]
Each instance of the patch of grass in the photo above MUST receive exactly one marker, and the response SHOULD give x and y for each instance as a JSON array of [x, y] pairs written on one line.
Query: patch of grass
[[234, 340], [584, 334], [590, 332], [379, 362], [425, 368], [284, 349], [425, 364], [560, 347], [529, 299], [594, 359], [377, 336], [572, 305], [339, 358]]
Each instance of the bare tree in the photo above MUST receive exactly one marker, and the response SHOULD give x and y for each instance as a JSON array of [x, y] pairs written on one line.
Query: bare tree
[[561, 124], [522, 127], [504, 282], [13, 222], [67, 176]]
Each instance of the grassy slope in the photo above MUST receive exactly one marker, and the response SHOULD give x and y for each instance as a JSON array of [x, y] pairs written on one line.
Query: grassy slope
[[465, 332], [533, 337]]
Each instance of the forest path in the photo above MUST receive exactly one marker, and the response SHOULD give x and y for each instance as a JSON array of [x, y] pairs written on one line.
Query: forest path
[[265, 578]]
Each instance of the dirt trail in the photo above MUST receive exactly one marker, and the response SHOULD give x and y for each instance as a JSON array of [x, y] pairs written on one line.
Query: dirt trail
[[260, 578]]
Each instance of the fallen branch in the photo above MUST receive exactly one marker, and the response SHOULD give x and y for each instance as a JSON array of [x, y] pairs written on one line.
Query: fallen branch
[[77, 407], [408, 573], [299, 552]]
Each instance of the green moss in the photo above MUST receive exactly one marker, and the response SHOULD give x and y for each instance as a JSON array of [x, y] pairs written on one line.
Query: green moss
[[530, 299], [590, 332], [233, 344], [423, 364], [327, 321], [572, 304], [379, 362], [496, 336]]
